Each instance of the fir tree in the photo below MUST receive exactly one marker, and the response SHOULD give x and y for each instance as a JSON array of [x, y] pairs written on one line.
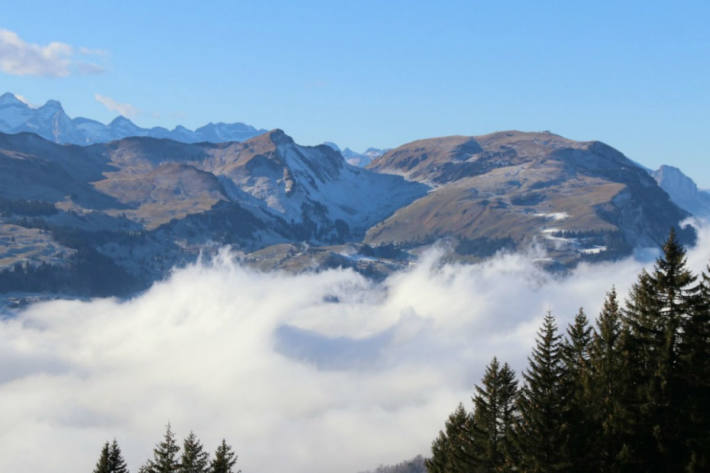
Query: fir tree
[[224, 459], [608, 388], [165, 455], [452, 451], [116, 461], [103, 465], [659, 304], [577, 415], [695, 366], [492, 426], [194, 457], [540, 430], [111, 460]]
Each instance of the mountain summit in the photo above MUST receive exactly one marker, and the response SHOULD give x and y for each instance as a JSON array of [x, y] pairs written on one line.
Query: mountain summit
[[579, 200], [683, 190]]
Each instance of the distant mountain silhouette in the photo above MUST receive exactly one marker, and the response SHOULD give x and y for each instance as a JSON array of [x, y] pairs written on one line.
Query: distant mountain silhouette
[[51, 122]]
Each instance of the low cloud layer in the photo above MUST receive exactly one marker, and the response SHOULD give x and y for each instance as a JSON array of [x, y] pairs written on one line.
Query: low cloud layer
[[315, 373], [55, 59], [125, 109]]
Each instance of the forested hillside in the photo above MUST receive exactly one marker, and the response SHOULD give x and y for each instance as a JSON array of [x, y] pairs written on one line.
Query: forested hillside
[[630, 393]]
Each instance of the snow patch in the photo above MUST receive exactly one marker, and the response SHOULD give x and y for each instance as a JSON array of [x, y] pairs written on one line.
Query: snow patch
[[556, 216]]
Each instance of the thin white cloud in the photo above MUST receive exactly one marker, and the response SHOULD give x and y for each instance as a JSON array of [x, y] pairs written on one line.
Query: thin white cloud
[[56, 59], [125, 109], [295, 381], [92, 52], [89, 68]]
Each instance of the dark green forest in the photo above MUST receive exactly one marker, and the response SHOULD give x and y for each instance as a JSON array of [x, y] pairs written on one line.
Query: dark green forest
[[628, 393]]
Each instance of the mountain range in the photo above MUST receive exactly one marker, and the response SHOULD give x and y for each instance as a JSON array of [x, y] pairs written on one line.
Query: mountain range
[[110, 218], [51, 123], [355, 158]]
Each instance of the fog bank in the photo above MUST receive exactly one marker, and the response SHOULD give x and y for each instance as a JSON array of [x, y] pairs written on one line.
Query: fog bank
[[324, 372]]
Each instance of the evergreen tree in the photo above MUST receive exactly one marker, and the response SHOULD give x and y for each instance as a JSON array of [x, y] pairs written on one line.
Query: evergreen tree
[[695, 367], [116, 461], [165, 455], [224, 459], [577, 415], [659, 304], [111, 460], [103, 465], [194, 457], [492, 426], [438, 461], [608, 388], [540, 429], [452, 451]]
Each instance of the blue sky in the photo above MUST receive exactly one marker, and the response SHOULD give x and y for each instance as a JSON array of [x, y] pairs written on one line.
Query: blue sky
[[633, 74]]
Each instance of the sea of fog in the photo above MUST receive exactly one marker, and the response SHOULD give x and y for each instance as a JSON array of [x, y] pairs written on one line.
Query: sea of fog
[[326, 372]]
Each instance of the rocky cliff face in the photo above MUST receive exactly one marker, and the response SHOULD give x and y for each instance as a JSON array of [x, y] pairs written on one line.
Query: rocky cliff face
[[683, 190]]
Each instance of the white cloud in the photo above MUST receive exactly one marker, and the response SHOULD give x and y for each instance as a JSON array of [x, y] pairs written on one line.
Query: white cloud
[[92, 52], [55, 59], [125, 109], [89, 68], [295, 382]]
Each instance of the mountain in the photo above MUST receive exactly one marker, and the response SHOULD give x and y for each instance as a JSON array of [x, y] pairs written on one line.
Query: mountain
[[355, 158], [51, 122], [683, 190], [362, 159], [111, 218], [578, 200]]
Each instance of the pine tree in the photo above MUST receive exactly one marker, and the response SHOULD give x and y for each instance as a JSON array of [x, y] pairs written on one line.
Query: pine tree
[[540, 430], [608, 387], [116, 461], [103, 465], [452, 451], [111, 460], [438, 461], [165, 455], [577, 415], [194, 457], [224, 459], [492, 426], [695, 367], [659, 304]]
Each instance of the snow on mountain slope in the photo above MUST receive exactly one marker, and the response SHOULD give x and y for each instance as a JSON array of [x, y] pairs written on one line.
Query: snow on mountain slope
[[311, 185]]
